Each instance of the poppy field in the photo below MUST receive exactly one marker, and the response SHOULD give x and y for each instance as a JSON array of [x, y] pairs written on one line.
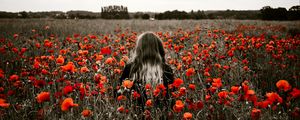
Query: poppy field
[[223, 69]]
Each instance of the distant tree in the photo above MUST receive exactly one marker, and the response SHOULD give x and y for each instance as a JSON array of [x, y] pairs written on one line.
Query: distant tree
[[269, 13], [294, 13], [159, 16], [114, 12], [137, 15], [23, 14], [8, 15], [146, 16]]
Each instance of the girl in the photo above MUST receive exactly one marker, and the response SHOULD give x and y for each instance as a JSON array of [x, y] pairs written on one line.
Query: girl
[[147, 66]]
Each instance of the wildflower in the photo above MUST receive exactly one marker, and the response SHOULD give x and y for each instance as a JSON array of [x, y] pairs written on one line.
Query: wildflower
[[263, 104], [109, 60], [60, 60], [217, 65], [121, 109], [190, 72], [149, 103], [192, 86], [86, 113], [14, 78], [1, 73], [67, 104], [182, 90], [39, 83], [83, 52], [84, 69], [15, 36], [177, 82], [250, 92], [207, 97], [121, 97], [226, 67], [255, 114], [105, 50], [148, 86], [47, 43], [136, 95], [178, 106], [295, 93], [283, 85], [147, 114], [223, 94], [70, 67], [3, 103], [206, 74], [127, 84], [122, 63], [217, 82], [235, 89], [246, 68], [67, 89], [43, 96], [44, 72], [187, 116], [273, 97], [200, 105]]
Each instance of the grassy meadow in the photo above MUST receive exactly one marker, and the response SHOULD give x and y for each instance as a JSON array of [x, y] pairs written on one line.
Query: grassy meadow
[[223, 69]]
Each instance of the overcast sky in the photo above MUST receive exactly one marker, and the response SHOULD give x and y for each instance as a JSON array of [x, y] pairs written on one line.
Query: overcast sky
[[141, 5]]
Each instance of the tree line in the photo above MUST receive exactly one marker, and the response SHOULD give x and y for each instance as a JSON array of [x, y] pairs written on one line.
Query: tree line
[[121, 12]]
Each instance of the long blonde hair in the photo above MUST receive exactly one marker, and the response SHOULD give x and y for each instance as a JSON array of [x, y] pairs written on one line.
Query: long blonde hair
[[147, 59]]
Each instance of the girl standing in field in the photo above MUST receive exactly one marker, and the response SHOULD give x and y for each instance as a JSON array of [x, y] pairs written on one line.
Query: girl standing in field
[[147, 67]]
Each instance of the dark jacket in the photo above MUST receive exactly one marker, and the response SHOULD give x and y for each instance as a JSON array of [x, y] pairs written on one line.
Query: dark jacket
[[168, 78]]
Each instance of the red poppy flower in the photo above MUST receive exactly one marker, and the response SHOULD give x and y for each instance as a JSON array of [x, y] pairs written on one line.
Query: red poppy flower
[[149, 103], [121, 109], [295, 93], [223, 94], [121, 97], [14, 78], [67, 104], [43, 96], [283, 85], [255, 114], [1, 73], [38, 83], [217, 82], [235, 89], [122, 63], [106, 50], [127, 84], [177, 82], [136, 95], [250, 92], [263, 104], [178, 106], [70, 67], [200, 105], [273, 97], [86, 113], [206, 74], [192, 86], [84, 69], [67, 89], [109, 61], [190, 72], [148, 87], [187, 116], [60, 60], [3, 103]]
